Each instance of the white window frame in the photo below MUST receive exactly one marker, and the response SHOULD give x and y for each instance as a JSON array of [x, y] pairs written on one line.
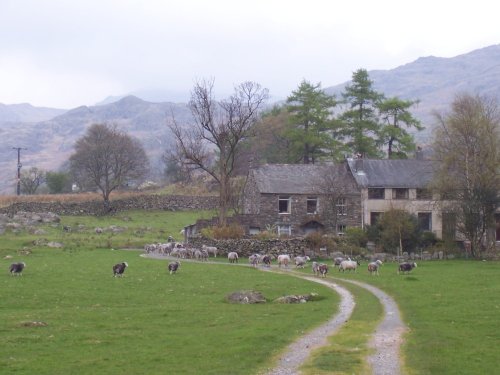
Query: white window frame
[[284, 229], [341, 207]]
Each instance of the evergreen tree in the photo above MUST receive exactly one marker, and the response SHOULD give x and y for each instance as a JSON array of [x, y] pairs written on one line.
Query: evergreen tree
[[311, 132], [360, 124], [395, 112]]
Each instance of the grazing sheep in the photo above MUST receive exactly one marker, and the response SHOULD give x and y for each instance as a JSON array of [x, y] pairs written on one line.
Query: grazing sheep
[[201, 255], [98, 230], [323, 269], [300, 262], [283, 260], [266, 260], [17, 268], [348, 265], [232, 257], [210, 250], [374, 266], [173, 267], [119, 269], [406, 267]]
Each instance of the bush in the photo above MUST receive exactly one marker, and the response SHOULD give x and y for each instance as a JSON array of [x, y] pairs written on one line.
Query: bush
[[232, 231]]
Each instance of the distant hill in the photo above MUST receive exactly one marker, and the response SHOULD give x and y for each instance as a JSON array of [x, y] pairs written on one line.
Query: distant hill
[[27, 113], [49, 134], [435, 81], [50, 143]]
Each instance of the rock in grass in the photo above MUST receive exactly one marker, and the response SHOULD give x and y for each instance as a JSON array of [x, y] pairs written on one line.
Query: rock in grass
[[246, 297]]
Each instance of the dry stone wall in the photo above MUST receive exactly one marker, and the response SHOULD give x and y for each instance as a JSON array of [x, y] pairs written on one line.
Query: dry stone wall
[[143, 202]]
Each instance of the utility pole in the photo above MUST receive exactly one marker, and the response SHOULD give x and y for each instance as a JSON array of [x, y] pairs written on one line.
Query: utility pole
[[19, 165]]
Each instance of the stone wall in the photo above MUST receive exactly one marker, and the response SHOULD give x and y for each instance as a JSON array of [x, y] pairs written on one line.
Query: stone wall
[[246, 247], [142, 202]]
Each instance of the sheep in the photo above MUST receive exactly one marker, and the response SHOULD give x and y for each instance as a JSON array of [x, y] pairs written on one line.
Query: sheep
[[119, 269], [300, 262], [283, 260], [338, 260], [348, 265], [374, 266], [254, 259], [17, 268], [266, 260], [315, 268], [201, 255], [173, 267], [232, 257], [210, 250], [98, 230], [323, 269], [406, 267]]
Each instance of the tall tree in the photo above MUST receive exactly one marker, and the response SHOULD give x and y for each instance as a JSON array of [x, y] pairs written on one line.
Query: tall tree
[[311, 127], [107, 158], [360, 123], [467, 145], [213, 141], [395, 113], [31, 180]]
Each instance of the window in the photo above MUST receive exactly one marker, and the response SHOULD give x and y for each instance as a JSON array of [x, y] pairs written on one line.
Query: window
[[284, 203], [424, 194], [341, 206], [284, 230], [375, 217], [341, 229], [376, 193], [253, 230], [312, 205], [399, 193], [449, 226], [425, 221]]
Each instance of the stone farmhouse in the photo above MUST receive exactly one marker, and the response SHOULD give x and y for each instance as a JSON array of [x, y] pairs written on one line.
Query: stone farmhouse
[[297, 199]]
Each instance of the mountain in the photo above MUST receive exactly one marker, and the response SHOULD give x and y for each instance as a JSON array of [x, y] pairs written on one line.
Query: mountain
[[48, 144], [27, 113], [49, 134], [435, 81]]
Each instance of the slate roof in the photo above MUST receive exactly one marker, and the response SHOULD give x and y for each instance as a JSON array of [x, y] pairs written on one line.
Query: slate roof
[[298, 178], [403, 173]]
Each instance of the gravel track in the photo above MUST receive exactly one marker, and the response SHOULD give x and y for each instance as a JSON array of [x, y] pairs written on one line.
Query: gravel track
[[385, 342]]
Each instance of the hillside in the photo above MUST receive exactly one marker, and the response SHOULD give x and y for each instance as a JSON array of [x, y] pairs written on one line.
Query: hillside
[[436, 80], [49, 134], [50, 143]]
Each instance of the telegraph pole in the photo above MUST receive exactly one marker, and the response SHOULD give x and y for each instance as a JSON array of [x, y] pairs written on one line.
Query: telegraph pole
[[19, 165]]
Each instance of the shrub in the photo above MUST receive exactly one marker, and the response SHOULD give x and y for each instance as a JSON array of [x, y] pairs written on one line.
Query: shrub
[[232, 231]]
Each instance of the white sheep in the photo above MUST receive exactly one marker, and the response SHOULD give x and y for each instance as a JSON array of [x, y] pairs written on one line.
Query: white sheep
[[283, 260], [300, 262], [232, 257], [374, 266], [349, 265]]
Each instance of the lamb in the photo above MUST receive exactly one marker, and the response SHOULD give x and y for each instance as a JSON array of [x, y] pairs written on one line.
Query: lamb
[[315, 268], [406, 267], [201, 255], [17, 268], [300, 262], [348, 265], [283, 260], [374, 266], [119, 269], [232, 257], [210, 250], [173, 267]]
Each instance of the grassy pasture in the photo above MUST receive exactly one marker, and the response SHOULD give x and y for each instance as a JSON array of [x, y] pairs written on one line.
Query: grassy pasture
[[453, 311], [68, 315]]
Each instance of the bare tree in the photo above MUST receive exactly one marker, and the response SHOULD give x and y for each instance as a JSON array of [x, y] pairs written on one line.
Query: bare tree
[[213, 141], [107, 158], [467, 144], [31, 180]]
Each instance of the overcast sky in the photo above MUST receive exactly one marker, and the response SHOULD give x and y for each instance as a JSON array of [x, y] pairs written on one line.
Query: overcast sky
[[68, 53]]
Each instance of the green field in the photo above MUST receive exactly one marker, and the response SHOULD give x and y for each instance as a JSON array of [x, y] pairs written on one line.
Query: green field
[[68, 315]]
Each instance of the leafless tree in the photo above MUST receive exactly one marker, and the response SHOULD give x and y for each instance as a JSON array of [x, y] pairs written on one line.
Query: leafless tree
[[107, 158], [31, 180], [212, 142], [467, 144]]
